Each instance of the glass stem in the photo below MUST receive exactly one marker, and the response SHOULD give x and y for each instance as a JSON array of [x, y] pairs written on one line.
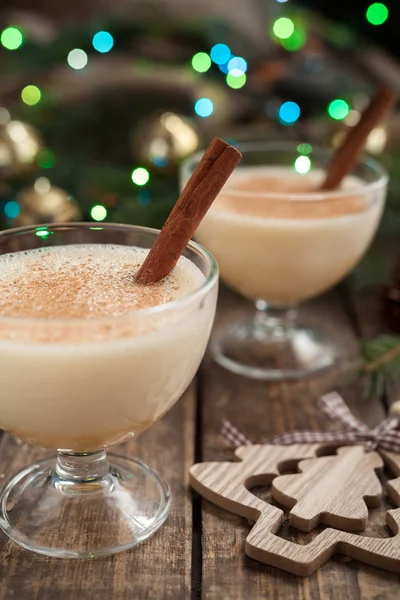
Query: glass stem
[[78, 473], [274, 323]]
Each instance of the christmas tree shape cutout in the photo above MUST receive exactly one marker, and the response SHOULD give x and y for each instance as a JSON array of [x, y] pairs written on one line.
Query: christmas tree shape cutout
[[332, 490], [228, 485]]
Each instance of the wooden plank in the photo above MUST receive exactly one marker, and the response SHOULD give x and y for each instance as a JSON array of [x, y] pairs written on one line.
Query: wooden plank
[[261, 410], [159, 568]]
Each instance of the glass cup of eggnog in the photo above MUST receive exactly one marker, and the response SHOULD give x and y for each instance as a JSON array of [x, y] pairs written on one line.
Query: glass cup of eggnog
[[279, 241], [88, 359]]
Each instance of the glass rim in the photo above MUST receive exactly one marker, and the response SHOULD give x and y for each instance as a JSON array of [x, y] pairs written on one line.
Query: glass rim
[[184, 300], [291, 146]]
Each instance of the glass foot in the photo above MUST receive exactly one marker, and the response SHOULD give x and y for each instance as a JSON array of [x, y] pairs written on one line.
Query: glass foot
[[246, 349], [68, 518]]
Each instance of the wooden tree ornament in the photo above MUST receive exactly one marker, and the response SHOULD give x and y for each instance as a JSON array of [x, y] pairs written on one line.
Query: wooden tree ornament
[[227, 485], [333, 490]]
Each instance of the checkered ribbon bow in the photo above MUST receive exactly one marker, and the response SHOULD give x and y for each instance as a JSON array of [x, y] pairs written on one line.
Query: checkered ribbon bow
[[386, 436]]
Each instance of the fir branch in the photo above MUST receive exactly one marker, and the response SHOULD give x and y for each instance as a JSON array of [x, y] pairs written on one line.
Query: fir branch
[[381, 358]]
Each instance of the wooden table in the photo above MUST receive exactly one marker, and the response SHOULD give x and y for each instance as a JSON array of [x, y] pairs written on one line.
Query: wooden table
[[199, 552]]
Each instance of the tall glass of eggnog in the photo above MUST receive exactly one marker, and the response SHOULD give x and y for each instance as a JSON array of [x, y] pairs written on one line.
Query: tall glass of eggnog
[[88, 359], [279, 241]]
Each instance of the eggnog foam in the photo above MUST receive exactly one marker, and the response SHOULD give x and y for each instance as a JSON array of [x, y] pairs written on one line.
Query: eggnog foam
[[83, 282]]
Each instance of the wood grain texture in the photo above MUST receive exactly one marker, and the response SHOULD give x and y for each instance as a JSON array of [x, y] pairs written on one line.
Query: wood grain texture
[[228, 485], [159, 568], [262, 410], [332, 490]]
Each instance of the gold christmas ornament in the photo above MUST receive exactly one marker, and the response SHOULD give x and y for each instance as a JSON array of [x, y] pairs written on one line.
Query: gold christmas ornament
[[46, 203], [20, 144], [165, 139]]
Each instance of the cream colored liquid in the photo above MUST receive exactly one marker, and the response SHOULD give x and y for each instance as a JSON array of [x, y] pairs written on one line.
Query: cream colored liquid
[[282, 249], [112, 370]]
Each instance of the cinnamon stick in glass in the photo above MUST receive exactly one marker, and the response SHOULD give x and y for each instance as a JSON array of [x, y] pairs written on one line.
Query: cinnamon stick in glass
[[204, 185], [346, 157]]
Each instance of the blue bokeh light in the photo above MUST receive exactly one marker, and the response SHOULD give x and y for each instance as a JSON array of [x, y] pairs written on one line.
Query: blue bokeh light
[[289, 113], [220, 54], [103, 41], [237, 65], [204, 107], [224, 68], [144, 197], [160, 161], [12, 209]]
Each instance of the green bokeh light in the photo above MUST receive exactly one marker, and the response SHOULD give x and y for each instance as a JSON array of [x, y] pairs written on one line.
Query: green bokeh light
[[283, 28], [140, 176], [201, 62], [296, 41], [236, 82], [338, 109], [98, 212], [31, 95], [11, 38], [377, 13], [304, 148], [46, 158]]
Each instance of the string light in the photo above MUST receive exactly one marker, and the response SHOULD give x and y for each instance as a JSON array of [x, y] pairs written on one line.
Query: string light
[[204, 107], [338, 109], [224, 68], [140, 176], [31, 95], [77, 59], [11, 38], [304, 148], [220, 54], [377, 13], [237, 66], [302, 164], [98, 212], [236, 81], [283, 28], [201, 62], [103, 41], [289, 113], [12, 209]]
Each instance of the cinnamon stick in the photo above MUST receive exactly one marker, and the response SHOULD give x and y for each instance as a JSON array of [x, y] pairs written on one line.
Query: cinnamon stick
[[206, 182], [346, 157]]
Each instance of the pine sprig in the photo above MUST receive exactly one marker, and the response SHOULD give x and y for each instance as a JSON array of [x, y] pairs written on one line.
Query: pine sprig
[[381, 363]]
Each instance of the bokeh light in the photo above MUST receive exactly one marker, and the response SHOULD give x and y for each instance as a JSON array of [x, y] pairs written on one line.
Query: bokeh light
[[42, 232], [220, 54], [201, 62], [77, 58], [289, 113], [204, 107], [11, 38], [98, 212], [283, 28], [237, 66], [12, 209], [103, 41], [302, 164], [296, 41], [140, 176], [46, 158], [236, 81], [304, 148], [338, 109], [377, 13], [31, 95]]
